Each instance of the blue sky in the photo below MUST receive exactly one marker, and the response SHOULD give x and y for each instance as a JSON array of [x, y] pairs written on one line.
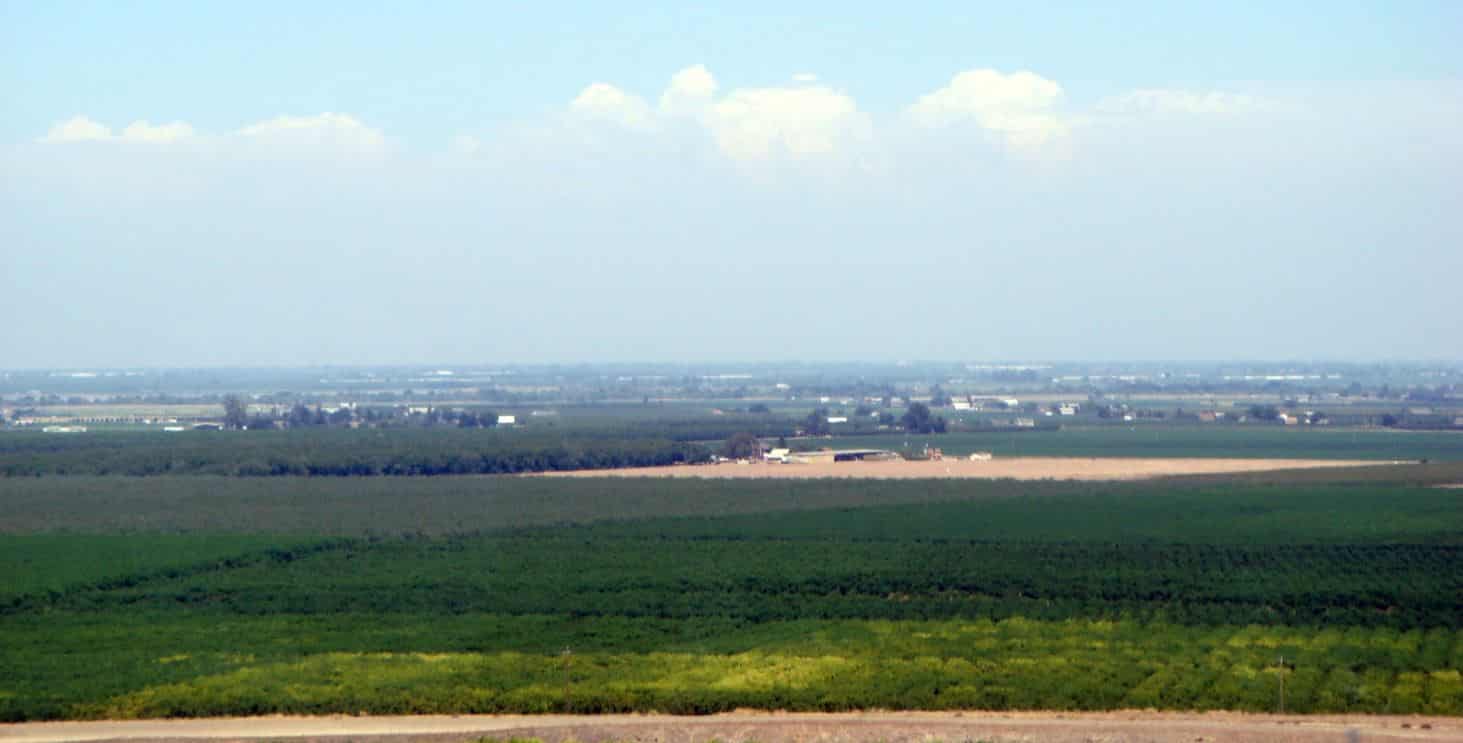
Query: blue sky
[[534, 181], [422, 72]]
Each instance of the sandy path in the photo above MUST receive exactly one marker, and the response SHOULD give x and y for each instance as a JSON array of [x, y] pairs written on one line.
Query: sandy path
[[1019, 468], [737, 727]]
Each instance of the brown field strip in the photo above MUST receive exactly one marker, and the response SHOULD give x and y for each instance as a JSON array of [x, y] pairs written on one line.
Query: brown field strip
[[1016, 468]]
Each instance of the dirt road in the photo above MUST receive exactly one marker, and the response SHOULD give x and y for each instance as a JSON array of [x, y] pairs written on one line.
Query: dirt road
[[1019, 468], [738, 727]]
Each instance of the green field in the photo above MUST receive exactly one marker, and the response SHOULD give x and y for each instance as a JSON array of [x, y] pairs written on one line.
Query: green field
[[1171, 440], [461, 594], [42, 563]]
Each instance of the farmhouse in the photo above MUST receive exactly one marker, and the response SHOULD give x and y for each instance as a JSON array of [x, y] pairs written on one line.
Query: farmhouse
[[507, 420]]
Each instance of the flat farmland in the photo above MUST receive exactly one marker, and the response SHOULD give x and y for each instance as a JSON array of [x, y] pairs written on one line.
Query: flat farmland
[[462, 595], [1217, 441]]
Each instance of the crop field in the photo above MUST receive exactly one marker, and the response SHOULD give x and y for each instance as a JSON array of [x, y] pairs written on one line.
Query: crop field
[[46, 563], [1166, 440], [531, 595]]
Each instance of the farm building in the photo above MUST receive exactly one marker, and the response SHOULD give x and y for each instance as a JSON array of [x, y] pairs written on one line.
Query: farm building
[[507, 420], [842, 455]]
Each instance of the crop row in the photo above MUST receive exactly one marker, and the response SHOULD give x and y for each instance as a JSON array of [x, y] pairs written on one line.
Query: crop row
[[1400, 586]]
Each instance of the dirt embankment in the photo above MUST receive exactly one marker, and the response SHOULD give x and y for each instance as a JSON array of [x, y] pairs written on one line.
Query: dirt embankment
[[742, 727], [1018, 468]]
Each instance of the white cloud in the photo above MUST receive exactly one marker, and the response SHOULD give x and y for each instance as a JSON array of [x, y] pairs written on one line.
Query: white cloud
[[805, 77], [144, 131], [605, 102], [1168, 101], [312, 133], [690, 91], [326, 130], [77, 129], [467, 144], [762, 122], [1022, 107], [745, 123]]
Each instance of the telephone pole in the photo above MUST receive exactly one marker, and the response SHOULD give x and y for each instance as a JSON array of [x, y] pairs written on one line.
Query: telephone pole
[[1282, 684], [566, 654]]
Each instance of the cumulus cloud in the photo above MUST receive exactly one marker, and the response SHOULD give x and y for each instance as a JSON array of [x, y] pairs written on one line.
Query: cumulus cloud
[[1022, 107], [1168, 101], [745, 123], [77, 129], [605, 102], [144, 131], [761, 122], [326, 130], [690, 91], [287, 133]]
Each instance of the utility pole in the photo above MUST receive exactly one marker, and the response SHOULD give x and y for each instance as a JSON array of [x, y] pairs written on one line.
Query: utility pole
[[566, 653], [1282, 684]]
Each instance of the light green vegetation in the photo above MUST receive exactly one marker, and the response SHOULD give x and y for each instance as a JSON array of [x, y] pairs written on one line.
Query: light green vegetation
[[193, 666]]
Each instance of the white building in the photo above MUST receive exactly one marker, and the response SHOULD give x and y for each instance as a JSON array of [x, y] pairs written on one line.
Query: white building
[[507, 420]]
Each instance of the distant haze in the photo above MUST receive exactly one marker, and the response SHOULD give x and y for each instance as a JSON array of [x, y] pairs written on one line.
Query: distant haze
[[744, 199]]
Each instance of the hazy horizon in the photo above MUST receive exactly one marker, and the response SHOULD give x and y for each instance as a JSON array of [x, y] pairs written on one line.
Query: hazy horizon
[[283, 187]]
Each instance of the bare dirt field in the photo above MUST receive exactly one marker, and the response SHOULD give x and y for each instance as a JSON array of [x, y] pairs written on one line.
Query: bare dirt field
[[740, 727], [1018, 468]]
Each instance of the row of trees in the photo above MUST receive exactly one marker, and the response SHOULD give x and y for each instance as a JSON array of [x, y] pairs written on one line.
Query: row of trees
[[1405, 587], [331, 452]]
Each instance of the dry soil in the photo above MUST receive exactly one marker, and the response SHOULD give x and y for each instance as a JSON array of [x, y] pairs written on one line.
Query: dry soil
[[1019, 468]]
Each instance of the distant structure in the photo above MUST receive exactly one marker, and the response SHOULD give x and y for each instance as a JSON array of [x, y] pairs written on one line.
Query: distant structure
[[507, 420], [828, 456]]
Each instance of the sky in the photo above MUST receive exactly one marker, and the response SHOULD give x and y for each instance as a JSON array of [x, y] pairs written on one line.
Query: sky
[[289, 184]]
